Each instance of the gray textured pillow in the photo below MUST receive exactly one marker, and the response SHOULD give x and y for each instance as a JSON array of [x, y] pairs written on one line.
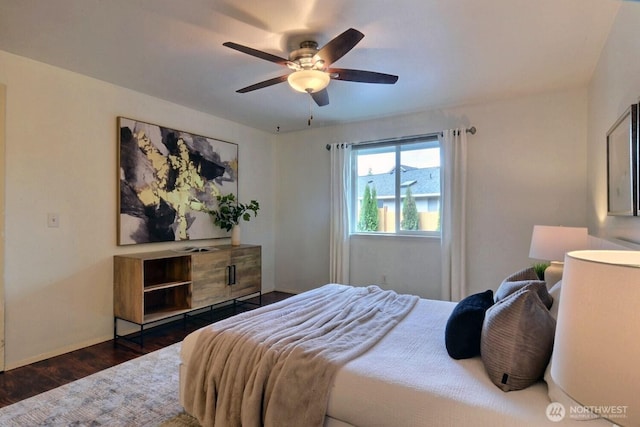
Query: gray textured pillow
[[517, 340], [539, 286], [528, 273]]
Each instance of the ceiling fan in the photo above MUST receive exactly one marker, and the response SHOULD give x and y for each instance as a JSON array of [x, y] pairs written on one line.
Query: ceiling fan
[[311, 66]]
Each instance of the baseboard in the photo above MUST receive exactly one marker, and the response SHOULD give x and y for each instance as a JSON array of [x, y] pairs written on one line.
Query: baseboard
[[57, 352]]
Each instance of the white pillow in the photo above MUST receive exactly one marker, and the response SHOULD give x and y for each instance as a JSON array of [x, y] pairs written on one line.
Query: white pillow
[[555, 294]]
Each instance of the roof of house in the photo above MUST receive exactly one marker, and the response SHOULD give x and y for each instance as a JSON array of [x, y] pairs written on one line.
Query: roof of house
[[423, 181]]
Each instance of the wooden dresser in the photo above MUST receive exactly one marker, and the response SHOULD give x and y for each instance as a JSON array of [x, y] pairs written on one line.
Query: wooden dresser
[[153, 286]]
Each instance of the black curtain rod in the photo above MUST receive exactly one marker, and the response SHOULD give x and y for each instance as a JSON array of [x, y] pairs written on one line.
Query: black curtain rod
[[472, 130]]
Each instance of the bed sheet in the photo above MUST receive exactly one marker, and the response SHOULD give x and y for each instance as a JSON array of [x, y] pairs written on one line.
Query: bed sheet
[[408, 379]]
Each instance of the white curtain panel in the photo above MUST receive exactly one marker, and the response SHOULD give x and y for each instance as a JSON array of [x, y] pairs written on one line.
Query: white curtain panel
[[453, 177], [339, 204]]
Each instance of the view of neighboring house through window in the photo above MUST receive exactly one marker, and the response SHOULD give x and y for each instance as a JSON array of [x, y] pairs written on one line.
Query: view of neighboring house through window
[[397, 187]]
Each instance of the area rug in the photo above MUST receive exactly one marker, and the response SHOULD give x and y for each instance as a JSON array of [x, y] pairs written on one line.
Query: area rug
[[140, 392]]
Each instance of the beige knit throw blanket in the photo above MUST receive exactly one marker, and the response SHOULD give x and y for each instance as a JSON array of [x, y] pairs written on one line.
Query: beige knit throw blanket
[[274, 366]]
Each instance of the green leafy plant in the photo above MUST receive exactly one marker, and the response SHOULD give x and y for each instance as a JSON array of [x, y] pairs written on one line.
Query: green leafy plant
[[230, 211], [539, 268]]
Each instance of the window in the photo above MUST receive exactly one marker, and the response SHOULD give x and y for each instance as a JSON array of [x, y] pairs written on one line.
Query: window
[[396, 187]]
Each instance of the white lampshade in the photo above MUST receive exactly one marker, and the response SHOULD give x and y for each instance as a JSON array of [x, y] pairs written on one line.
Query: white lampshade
[[596, 356], [550, 243], [309, 81]]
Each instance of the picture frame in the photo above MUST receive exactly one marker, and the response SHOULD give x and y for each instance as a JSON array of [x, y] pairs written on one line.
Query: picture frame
[[622, 165], [168, 179]]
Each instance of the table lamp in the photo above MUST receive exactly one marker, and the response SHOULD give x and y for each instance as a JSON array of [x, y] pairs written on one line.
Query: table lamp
[[596, 356], [550, 243]]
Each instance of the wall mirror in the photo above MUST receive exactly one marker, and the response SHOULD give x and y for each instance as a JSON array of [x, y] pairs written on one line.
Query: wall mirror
[[622, 165]]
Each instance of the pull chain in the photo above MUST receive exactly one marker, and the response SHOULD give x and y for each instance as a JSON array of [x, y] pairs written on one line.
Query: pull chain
[[310, 112]]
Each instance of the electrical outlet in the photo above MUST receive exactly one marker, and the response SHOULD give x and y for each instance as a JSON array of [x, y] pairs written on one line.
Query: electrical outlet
[[53, 220]]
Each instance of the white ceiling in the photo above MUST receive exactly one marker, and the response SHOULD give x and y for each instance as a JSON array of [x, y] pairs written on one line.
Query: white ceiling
[[445, 52]]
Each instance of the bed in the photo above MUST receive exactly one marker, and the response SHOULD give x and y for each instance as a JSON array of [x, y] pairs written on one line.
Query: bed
[[407, 378]]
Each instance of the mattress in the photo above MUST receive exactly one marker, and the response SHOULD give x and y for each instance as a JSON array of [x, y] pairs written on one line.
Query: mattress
[[408, 379]]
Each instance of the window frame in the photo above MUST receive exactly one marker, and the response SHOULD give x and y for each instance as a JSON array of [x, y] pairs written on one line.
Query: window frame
[[398, 143]]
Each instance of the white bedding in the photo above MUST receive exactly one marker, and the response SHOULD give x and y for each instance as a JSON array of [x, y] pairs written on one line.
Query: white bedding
[[408, 379]]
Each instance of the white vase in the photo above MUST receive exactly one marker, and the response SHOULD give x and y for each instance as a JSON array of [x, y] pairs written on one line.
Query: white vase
[[235, 235]]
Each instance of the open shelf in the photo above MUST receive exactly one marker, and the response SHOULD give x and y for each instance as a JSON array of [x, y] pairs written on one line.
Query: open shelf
[[168, 299], [167, 270], [165, 285]]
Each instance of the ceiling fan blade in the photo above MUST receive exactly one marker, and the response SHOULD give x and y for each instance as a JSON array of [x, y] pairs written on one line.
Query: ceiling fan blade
[[321, 97], [257, 53], [264, 84], [361, 76], [339, 46]]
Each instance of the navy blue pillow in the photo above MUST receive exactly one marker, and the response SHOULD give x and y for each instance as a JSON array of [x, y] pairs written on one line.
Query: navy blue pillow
[[464, 327]]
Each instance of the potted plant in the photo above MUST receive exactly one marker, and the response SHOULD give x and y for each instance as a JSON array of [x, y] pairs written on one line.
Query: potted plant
[[230, 212], [539, 268]]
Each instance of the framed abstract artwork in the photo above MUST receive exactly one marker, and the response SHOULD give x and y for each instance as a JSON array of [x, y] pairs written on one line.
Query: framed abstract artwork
[[168, 179], [622, 165]]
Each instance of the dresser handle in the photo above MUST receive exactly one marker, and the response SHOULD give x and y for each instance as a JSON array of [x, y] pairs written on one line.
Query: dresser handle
[[231, 274]]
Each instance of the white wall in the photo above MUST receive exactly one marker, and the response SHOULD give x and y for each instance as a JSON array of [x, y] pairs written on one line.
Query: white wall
[[614, 87], [405, 264], [61, 151], [527, 165]]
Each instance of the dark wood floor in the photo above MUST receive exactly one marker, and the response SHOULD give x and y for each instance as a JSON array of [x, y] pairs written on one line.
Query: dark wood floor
[[21, 383]]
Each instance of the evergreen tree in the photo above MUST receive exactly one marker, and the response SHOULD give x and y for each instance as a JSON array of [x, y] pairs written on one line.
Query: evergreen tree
[[373, 211], [410, 219], [368, 220], [364, 208]]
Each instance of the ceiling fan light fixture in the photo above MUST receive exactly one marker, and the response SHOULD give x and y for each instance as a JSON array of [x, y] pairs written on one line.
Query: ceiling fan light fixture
[[309, 81]]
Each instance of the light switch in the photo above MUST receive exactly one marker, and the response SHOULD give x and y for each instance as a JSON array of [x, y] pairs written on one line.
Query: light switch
[[53, 220]]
